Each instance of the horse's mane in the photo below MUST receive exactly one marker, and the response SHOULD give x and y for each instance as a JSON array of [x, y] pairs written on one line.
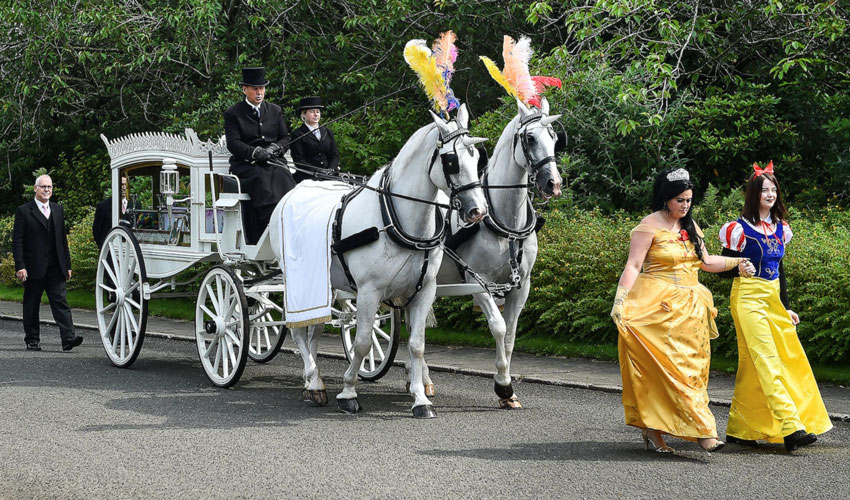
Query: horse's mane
[[505, 140], [417, 147]]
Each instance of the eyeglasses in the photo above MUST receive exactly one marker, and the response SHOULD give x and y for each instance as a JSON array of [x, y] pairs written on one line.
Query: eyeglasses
[[45, 187]]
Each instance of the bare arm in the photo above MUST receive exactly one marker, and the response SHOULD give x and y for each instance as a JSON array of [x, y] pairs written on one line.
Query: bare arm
[[638, 248]]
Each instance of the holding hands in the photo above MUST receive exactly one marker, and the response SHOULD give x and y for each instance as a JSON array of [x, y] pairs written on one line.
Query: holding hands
[[746, 268]]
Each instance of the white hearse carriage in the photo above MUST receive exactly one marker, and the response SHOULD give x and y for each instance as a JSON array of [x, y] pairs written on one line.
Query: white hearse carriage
[[182, 236]]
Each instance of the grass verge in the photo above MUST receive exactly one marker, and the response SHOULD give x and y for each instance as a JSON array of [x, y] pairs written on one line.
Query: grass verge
[[184, 308]]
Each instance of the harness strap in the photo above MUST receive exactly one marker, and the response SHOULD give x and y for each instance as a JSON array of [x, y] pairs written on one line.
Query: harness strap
[[337, 235], [394, 230]]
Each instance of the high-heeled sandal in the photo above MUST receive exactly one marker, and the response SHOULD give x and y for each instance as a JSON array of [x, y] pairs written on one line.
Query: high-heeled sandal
[[718, 444], [651, 446]]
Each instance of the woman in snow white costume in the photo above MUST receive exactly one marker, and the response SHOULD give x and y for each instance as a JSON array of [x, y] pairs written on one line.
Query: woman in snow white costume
[[776, 396]]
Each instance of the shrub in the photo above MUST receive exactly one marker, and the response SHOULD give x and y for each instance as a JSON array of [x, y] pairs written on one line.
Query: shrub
[[582, 254], [84, 252], [7, 225]]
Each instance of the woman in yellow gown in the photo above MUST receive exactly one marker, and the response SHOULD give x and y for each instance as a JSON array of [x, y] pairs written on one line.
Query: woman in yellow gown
[[776, 395], [665, 319]]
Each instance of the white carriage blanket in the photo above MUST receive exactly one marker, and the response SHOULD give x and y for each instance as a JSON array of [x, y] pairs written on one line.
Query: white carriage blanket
[[300, 234]]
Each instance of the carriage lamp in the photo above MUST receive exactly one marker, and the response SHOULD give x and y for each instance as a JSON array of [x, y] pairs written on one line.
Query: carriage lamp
[[169, 180]]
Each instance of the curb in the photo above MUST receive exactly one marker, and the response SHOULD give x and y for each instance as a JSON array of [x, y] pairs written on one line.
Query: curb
[[614, 389]]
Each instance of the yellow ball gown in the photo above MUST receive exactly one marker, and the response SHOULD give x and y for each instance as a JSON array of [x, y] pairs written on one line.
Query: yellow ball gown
[[664, 350], [776, 392]]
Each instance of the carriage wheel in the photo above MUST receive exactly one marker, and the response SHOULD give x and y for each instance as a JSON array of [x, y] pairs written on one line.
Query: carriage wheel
[[385, 332], [121, 304], [265, 340], [221, 326]]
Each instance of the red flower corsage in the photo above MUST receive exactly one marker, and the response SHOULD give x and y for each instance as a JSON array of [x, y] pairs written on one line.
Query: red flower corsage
[[683, 235]]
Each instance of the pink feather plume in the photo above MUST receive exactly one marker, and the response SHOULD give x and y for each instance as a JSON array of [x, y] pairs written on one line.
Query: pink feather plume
[[516, 56]]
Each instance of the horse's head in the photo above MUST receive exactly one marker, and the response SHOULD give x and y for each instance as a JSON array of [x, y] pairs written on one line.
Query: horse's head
[[534, 147], [457, 172]]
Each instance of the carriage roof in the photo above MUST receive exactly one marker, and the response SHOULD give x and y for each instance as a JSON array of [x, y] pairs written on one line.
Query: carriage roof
[[153, 147]]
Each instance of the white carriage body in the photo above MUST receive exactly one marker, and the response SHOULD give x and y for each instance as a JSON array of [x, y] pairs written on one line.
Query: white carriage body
[[167, 247]]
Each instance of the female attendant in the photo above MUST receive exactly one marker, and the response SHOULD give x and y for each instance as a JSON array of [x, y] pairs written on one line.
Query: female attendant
[[313, 146], [665, 318], [776, 396]]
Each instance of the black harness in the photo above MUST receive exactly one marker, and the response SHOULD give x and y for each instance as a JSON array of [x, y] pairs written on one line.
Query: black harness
[[516, 237], [389, 218]]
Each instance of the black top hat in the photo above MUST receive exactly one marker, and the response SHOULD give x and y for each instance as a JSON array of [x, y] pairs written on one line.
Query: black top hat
[[312, 102], [254, 77]]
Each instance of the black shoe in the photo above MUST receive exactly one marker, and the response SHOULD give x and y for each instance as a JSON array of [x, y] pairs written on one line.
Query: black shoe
[[799, 439], [67, 346], [741, 442], [33, 346]]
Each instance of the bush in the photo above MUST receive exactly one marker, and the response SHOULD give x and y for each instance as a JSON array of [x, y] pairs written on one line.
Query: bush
[[7, 270], [582, 254], [7, 226], [84, 252]]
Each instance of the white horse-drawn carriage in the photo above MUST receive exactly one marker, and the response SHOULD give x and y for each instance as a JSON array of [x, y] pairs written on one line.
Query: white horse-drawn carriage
[[388, 238]]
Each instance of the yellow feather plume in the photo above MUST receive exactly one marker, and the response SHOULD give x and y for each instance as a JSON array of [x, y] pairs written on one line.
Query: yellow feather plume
[[497, 75], [418, 57]]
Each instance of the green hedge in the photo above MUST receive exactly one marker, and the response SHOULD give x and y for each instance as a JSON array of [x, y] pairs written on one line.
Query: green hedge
[[582, 254]]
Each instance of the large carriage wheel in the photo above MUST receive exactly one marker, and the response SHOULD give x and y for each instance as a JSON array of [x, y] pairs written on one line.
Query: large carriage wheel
[[221, 326], [385, 334], [265, 339], [122, 309]]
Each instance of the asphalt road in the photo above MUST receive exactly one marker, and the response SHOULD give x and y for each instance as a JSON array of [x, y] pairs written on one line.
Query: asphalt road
[[73, 426]]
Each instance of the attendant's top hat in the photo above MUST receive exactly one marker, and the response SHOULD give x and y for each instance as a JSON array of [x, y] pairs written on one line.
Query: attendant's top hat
[[312, 102], [254, 77]]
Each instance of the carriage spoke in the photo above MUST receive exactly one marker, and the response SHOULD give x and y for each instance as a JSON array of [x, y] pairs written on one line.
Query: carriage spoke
[[212, 298], [217, 356], [376, 346], [379, 332], [232, 336], [207, 311], [131, 317], [107, 308]]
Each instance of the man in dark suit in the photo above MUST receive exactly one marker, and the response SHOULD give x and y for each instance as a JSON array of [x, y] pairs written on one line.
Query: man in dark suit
[[313, 146], [256, 134], [43, 263]]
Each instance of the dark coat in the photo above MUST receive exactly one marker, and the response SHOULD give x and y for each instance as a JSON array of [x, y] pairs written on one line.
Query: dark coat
[[264, 183], [307, 150], [245, 132], [31, 247], [102, 223]]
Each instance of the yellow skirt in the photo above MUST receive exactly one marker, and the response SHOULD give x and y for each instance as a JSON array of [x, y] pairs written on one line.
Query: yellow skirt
[[775, 389], [665, 355]]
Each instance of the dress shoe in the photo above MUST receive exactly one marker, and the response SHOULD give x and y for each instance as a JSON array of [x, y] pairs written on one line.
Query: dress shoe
[[799, 439], [33, 346], [741, 442], [74, 342]]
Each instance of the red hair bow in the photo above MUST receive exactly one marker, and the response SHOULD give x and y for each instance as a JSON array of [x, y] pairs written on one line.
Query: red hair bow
[[767, 170]]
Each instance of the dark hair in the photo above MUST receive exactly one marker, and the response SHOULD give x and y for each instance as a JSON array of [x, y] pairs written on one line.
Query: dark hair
[[665, 190], [752, 200]]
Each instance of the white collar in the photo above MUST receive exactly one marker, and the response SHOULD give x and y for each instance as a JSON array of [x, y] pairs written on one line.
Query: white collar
[[760, 227], [310, 127], [40, 204], [252, 105]]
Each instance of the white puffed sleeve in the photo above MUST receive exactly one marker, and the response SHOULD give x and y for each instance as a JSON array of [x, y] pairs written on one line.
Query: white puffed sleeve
[[732, 236], [786, 232]]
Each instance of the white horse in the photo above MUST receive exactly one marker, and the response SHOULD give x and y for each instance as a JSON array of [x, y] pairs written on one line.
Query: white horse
[[504, 248], [401, 266]]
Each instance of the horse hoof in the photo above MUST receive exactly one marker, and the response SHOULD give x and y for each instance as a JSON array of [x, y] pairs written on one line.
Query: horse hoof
[[504, 391], [430, 390], [511, 403], [350, 406], [319, 398], [424, 411], [305, 396], [407, 387]]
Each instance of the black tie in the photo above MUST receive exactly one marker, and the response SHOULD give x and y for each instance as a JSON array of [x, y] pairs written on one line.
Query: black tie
[[256, 113]]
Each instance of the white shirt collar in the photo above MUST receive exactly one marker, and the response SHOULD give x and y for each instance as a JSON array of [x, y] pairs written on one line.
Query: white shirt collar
[[311, 127], [42, 205], [252, 105]]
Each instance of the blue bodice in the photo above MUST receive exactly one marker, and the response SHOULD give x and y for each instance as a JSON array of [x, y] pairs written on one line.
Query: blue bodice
[[765, 251]]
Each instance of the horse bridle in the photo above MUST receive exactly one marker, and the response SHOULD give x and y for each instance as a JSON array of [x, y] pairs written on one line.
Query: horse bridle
[[450, 163], [521, 136]]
